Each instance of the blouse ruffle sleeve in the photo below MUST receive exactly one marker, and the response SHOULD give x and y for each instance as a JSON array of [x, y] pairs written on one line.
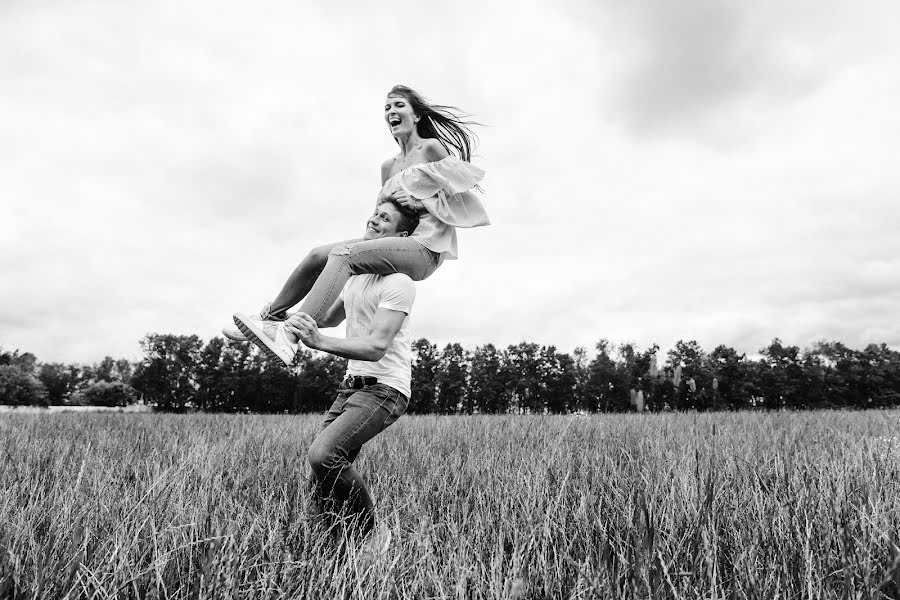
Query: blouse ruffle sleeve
[[445, 188]]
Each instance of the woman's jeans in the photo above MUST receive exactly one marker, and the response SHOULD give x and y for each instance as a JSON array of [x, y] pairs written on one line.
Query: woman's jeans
[[355, 418], [322, 274]]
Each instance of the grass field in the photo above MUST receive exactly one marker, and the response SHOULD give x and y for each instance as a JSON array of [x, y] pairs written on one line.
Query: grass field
[[748, 505]]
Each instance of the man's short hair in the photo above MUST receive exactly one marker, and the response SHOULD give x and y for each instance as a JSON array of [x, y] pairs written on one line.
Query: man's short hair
[[409, 219]]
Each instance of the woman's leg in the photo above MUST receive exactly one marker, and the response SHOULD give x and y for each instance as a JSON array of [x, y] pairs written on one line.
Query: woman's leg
[[381, 256], [301, 280]]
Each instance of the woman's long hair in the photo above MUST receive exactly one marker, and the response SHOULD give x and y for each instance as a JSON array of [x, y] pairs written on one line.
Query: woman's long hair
[[447, 124]]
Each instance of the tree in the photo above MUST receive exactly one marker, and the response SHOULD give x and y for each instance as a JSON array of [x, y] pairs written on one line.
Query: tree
[[424, 370], [633, 373], [603, 379], [560, 379], [250, 381], [452, 379], [59, 380], [277, 387], [487, 382], [105, 393], [882, 383], [782, 378], [733, 374], [26, 361], [166, 376], [212, 392], [20, 388], [525, 366], [693, 361], [842, 374], [582, 378], [688, 354], [320, 376], [103, 371], [240, 373]]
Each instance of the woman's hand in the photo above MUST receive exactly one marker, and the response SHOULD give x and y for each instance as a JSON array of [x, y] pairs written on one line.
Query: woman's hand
[[405, 199], [304, 327], [264, 312]]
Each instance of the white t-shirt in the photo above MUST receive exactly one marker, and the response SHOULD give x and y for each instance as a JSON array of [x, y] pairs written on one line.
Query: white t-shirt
[[362, 296]]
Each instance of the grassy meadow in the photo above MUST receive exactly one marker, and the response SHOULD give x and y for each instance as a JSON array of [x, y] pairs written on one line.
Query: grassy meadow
[[745, 505]]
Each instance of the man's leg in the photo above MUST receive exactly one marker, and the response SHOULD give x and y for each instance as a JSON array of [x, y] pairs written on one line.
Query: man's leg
[[363, 415], [318, 509]]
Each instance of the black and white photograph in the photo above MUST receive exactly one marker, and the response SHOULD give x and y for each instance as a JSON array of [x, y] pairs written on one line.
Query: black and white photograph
[[477, 300]]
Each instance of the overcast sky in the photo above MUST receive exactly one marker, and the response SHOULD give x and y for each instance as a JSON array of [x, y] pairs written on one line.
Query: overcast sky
[[721, 171]]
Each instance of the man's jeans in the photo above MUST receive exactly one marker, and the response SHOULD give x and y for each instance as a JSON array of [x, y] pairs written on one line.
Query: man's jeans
[[355, 418]]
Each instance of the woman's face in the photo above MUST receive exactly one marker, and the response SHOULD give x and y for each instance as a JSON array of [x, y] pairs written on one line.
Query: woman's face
[[399, 115]]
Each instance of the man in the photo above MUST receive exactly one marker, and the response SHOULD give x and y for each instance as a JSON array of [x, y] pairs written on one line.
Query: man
[[377, 387]]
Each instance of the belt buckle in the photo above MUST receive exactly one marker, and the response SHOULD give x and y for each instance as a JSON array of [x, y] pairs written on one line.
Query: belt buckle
[[357, 382]]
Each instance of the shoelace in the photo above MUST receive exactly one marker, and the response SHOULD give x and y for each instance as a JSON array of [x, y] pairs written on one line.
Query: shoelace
[[270, 328]]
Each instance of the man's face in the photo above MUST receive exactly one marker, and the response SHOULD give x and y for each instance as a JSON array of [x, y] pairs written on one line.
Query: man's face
[[383, 222]]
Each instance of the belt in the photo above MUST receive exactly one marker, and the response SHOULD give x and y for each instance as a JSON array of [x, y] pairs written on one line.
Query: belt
[[356, 382]]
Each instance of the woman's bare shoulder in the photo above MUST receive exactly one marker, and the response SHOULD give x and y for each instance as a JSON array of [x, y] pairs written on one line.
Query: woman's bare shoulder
[[434, 150], [386, 168]]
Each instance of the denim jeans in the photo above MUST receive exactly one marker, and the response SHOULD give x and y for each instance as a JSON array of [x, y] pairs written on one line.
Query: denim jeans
[[355, 418], [380, 256]]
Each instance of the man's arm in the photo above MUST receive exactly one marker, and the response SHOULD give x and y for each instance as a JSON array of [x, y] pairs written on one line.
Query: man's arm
[[371, 347]]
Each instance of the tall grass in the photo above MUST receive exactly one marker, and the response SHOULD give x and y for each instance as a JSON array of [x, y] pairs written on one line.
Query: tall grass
[[787, 505]]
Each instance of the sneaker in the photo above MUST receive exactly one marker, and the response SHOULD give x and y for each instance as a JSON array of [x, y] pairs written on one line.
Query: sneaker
[[268, 335], [374, 548], [233, 333], [379, 541]]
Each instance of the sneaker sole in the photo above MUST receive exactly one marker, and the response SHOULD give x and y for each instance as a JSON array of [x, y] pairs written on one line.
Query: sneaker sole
[[258, 337], [234, 337]]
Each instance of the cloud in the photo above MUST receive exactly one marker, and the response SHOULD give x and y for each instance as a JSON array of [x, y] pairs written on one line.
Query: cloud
[[713, 70], [720, 172]]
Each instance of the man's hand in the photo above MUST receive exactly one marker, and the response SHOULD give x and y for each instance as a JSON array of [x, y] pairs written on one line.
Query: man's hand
[[304, 327], [370, 347]]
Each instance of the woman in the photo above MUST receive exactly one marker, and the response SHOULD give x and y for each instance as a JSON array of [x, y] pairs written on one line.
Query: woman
[[426, 177]]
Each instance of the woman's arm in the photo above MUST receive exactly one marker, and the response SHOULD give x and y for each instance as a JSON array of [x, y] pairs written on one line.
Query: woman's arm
[[386, 167], [445, 188], [433, 151], [409, 202]]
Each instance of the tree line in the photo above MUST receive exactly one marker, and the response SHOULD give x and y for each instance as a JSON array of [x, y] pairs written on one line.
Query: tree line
[[179, 372]]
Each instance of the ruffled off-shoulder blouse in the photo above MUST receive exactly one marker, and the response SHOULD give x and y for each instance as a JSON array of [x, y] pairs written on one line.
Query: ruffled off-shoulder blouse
[[445, 187]]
